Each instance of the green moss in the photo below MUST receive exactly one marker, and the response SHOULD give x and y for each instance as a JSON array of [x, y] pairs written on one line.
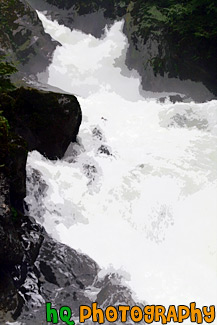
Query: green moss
[[158, 65], [6, 70], [14, 213], [4, 125]]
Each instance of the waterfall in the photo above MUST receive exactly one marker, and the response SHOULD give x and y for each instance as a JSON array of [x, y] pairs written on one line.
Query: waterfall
[[137, 192]]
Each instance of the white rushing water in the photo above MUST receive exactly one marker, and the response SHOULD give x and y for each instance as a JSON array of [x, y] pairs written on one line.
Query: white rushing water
[[137, 193]]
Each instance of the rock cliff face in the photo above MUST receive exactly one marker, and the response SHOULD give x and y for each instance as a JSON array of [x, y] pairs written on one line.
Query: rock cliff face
[[31, 119], [62, 276], [23, 40]]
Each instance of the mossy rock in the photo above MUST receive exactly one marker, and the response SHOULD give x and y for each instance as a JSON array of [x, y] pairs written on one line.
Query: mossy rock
[[23, 39]]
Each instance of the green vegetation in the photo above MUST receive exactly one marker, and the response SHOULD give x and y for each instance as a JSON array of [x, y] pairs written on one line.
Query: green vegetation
[[5, 85], [6, 70], [113, 8], [14, 213], [185, 32], [194, 26], [188, 28]]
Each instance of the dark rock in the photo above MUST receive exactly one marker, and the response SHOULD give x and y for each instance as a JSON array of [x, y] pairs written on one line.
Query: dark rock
[[104, 150], [113, 292], [39, 120], [176, 99], [47, 121], [90, 171], [162, 100], [14, 252], [17, 170], [10, 299], [10, 246], [65, 277], [97, 133]]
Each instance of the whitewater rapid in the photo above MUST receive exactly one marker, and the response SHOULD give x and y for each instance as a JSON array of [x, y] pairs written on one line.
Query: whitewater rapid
[[137, 192]]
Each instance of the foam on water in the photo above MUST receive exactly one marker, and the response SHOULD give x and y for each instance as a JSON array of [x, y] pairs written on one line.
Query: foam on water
[[138, 191]]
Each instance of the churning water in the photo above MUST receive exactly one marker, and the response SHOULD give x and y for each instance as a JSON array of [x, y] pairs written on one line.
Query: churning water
[[137, 193]]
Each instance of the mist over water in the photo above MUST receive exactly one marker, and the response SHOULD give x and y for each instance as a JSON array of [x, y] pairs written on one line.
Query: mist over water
[[137, 193]]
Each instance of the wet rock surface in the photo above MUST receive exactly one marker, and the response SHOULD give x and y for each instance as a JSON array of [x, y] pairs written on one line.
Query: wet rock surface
[[62, 276], [19, 249], [10, 248]]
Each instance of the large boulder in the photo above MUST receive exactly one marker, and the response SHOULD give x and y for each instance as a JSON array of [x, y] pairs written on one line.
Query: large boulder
[[47, 121], [38, 120]]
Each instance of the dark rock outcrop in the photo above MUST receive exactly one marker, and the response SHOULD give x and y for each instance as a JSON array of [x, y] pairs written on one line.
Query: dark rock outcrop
[[38, 120], [47, 121], [53, 272], [10, 248], [22, 240]]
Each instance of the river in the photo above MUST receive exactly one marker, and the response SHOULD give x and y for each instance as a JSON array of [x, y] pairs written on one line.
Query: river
[[137, 192]]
